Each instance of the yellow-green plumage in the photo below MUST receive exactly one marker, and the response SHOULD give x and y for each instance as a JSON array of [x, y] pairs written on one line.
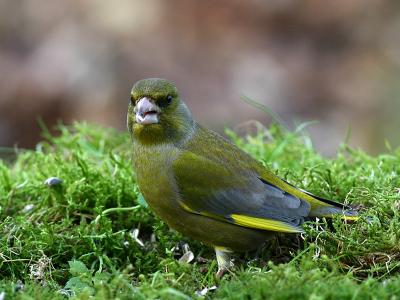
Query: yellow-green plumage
[[202, 185]]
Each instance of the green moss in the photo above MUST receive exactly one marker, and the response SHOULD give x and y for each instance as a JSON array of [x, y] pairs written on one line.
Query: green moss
[[66, 240]]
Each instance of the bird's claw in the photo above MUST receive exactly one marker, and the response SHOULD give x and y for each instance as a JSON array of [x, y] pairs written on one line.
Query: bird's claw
[[224, 261], [220, 273]]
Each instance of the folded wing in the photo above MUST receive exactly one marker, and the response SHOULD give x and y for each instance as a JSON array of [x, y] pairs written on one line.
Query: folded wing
[[236, 195]]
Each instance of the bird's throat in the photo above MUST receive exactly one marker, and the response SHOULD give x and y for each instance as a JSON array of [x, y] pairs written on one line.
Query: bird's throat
[[153, 134]]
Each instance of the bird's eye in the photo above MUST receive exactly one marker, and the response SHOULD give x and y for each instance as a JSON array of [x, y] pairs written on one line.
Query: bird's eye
[[132, 101], [169, 99]]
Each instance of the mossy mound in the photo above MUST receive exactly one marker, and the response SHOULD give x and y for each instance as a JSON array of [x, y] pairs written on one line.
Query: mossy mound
[[63, 238]]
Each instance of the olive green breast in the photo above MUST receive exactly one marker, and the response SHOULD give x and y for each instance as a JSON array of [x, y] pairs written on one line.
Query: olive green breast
[[153, 166], [155, 179]]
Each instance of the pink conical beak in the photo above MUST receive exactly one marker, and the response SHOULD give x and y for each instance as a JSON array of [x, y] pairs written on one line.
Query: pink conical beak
[[147, 111]]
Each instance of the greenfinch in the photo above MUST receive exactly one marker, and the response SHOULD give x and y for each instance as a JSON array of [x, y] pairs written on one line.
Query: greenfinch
[[205, 187]]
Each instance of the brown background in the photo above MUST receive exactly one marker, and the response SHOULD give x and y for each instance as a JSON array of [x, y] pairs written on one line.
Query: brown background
[[337, 62]]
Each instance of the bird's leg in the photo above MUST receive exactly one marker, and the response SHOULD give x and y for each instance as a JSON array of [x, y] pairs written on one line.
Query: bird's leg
[[223, 259]]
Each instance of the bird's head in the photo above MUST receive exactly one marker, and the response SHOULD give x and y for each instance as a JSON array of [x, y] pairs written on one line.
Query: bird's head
[[156, 114]]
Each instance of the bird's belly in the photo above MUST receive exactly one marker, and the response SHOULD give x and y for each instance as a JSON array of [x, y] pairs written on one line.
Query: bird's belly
[[207, 230], [218, 233]]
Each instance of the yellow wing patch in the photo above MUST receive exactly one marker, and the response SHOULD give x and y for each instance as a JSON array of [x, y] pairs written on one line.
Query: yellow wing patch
[[350, 218], [343, 217], [187, 208], [265, 224], [251, 222]]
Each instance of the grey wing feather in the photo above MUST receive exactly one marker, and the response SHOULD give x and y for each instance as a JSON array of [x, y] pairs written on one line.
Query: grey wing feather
[[282, 206], [258, 199], [233, 189]]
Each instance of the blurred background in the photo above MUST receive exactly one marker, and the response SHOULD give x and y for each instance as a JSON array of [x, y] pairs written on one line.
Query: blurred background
[[337, 62]]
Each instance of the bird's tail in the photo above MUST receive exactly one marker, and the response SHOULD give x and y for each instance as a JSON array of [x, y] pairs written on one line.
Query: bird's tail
[[321, 207], [328, 208]]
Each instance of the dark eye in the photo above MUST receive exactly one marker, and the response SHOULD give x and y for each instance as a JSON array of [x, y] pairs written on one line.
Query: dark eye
[[169, 99], [132, 101]]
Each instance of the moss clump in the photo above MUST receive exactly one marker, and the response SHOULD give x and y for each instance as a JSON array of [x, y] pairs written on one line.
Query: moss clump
[[64, 239]]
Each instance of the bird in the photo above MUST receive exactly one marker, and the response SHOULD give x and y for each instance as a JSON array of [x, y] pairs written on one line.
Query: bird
[[204, 186]]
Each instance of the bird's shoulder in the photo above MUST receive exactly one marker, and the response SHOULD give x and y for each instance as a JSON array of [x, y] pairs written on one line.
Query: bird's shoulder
[[206, 144]]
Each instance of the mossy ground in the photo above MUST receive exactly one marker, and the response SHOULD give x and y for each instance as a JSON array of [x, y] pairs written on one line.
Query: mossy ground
[[64, 240]]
